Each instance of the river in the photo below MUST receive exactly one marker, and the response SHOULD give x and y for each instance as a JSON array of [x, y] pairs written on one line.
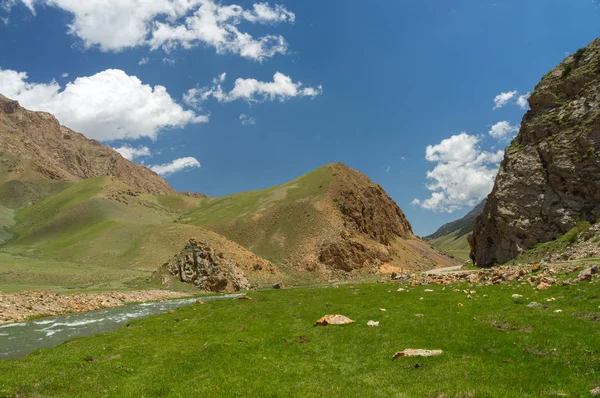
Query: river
[[19, 339]]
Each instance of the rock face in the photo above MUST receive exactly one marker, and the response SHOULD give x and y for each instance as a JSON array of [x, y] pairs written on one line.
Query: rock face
[[200, 264], [371, 221], [367, 208], [58, 153], [550, 176]]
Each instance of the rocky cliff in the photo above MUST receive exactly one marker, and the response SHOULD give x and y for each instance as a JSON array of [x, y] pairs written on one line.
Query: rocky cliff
[[58, 153], [550, 176]]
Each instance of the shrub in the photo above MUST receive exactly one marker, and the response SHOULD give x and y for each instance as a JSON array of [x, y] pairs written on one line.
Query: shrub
[[578, 54]]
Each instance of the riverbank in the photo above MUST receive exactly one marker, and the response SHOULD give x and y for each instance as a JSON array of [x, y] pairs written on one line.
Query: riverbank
[[500, 340], [15, 307]]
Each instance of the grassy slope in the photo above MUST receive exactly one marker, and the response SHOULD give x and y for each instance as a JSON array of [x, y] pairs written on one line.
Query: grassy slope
[[272, 222], [494, 346], [80, 229], [453, 244]]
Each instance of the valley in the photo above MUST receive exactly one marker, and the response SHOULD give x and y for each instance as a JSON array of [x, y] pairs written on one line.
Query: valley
[[114, 283]]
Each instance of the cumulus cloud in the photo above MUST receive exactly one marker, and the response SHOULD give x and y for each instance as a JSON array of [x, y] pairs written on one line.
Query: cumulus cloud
[[522, 101], [247, 120], [463, 176], [281, 88], [64, 75], [109, 105], [175, 166], [511, 97], [131, 153], [114, 25], [503, 130], [504, 98]]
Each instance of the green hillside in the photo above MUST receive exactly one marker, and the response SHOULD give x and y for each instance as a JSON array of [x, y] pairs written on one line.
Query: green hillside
[[273, 222], [452, 237], [453, 244]]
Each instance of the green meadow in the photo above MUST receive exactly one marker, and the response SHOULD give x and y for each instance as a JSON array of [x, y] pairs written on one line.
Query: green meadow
[[494, 346]]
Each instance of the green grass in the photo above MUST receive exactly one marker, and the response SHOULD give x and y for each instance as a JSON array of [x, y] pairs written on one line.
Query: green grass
[[24, 273], [494, 346]]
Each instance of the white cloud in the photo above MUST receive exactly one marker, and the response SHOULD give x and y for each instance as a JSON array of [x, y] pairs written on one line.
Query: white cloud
[[169, 61], [463, 176], [522, 101], [114, 25], [109, 105], [64, 75], [503, 130], [143, 61], [247, 120], [131, 153], [503, 98], [387, 170], [281, 88], [175, 166], [8, 4]]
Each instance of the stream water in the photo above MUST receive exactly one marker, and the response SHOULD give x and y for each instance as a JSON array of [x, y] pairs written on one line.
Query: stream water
[[19, 339]]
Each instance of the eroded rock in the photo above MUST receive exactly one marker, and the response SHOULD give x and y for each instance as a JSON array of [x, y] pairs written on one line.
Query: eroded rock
[[200, 264]]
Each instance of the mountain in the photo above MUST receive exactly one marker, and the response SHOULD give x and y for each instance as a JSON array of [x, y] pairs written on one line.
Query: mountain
[[452, 237], [549, 179], [333, 219], [76, 214], [36, 146]]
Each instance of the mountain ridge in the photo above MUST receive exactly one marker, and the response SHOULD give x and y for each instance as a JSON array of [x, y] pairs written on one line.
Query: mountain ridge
[[58, 153]]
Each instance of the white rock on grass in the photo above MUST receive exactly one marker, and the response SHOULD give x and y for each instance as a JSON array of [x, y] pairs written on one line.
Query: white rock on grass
[[373, 323]]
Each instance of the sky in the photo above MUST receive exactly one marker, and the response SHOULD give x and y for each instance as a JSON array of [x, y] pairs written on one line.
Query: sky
[[221, 97]]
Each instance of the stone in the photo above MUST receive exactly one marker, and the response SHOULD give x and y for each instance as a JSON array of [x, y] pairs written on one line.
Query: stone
[[586, 275], [534, 304], [333, 320], [373, 323], [279, 285], [543, 286], [410, 352], [595, 391]]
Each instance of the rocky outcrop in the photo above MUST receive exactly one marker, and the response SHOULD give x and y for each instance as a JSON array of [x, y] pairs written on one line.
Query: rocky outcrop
[[58, 153], [533, 274], [370, 222], [200, 264], [550, 176], [196, 195], [366, 207]]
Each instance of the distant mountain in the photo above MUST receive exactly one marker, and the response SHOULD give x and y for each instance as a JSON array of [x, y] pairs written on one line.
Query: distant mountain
[[461, 226], [452, 237]]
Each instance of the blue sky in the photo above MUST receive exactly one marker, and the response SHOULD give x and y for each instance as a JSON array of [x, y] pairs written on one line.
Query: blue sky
[[381, 81]]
